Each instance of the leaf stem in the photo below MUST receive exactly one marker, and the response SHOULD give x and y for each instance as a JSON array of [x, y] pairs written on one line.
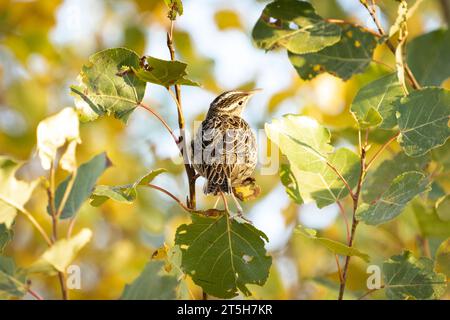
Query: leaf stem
[[149, 109], [384, 146], [182, 205], [36, 225], [34, 294], [66, 194], [372, 11], [344, 216], [332, 167]]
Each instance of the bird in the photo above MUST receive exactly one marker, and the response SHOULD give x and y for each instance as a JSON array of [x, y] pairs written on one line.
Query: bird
[[224, 149]]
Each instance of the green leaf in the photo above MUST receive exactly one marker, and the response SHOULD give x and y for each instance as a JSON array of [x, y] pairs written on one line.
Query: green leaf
[[443, 208], [443, 258], [306, 145], [6, 236], [14, 193], [152, 284], [61, 254], [125, 194], [163, 72], [351, 55], [423, 120], [106, 88], [289, 181], [86, 177], [175, 7], [378, 180], [294, 25], [428, 57], [392, 202], [442, 155], [222, 255], [334, 246], [408, 277], [374, 105], [12, 280]]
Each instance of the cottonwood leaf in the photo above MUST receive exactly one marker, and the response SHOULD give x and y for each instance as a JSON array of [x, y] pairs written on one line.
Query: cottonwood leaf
[[105, 88], [152, 284], [428, 57], [334, 246], [227, 19], [85, 179], [306, 145], [14, 193], [290, 183], [392, 202], [423, 120], [61, 254], [443, 207], [59, 134], [351, 55], [13, 282], [223, 255], [294, 25], [6, 236], [374, 106], [125, 193], [429, 223], [379, 180], [441, 155], [163, 72], [443, 258], [407, 277]]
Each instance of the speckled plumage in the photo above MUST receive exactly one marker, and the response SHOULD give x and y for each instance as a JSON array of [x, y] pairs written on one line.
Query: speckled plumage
[[224, 148]]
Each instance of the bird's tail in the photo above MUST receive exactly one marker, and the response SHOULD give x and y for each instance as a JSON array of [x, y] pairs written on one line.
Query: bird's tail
[[212, 187]]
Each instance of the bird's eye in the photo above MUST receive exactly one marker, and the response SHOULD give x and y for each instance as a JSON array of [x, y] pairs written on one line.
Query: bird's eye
[[240, 103]]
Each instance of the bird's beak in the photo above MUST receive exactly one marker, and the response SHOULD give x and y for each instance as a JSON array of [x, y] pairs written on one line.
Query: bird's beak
[[253, 91]]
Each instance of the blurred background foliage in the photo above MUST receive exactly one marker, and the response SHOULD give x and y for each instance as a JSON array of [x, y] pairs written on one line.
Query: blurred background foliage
[[44, 43]]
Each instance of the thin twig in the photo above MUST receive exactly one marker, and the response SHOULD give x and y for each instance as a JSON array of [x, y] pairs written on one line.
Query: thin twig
[[182, 205], [332, 167], [372, 11], [339, 268], [340, 21], [36, 225], [384, 146], [35, 294], [370, 292], [66, 193], [149, 109]]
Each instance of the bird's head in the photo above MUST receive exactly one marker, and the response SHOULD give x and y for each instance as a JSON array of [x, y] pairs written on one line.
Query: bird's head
[[231, 102]]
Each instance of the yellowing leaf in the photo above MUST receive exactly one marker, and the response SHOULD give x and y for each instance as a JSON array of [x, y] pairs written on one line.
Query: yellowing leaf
[[227, 19], [57, 132]]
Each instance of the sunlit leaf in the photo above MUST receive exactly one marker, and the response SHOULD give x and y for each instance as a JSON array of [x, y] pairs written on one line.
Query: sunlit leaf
[[61, 254], [12, 279], [163, 72], [59, 132], [408, 277], [392, 202], [428, 57], [423, 120], [443, 258], [306, 145], [14, 193], [86, 177], [152, 284], [289, 181], [106, 88], [351, 55], [332, 245], [294, 25], [126, 193], [222, 255], [374, 105], [430, 225], [378, 180]]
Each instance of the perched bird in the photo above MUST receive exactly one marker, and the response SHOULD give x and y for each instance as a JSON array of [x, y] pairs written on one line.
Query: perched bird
[[224, 148]]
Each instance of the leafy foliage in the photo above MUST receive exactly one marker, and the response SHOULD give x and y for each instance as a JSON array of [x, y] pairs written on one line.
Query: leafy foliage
[[351, 55], [83, 185], [374, 105], [391, 203], [106, 87], [151, 284], [423, 120], [12, 279], [443, 257], [5, 236], [408, 277], [294, 25], [223, 255], [427, 57]]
